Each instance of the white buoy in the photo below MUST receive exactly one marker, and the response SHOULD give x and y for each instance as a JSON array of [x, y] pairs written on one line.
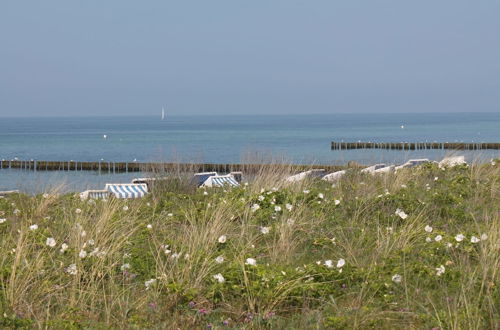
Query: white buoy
[[104, 136], [402, 126]]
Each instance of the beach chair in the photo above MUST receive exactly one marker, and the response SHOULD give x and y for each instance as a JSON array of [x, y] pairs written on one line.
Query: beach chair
[[220, 181], [94, 194], [384, 170], [150, 182], [334, 176], [314, 173], [199, 178], [452, 161], [413, 163], [238, 176], [127, 190], [373, 168]]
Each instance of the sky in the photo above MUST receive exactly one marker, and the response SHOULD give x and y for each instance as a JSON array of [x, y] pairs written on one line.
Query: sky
[[121, 57]]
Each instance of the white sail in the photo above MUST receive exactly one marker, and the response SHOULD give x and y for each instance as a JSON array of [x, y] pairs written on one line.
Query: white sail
[[162, 113]]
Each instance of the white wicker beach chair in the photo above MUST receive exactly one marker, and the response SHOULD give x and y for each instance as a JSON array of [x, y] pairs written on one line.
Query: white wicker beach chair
[[413, 163], [452, 161], [314, 173], [373, 168], [334, 176]]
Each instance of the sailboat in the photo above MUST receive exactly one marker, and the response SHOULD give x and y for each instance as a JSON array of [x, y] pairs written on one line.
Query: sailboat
[[162, 113]]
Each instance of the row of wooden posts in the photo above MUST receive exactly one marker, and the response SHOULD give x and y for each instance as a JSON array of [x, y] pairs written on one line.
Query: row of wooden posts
[[125, 167], [415, 145]]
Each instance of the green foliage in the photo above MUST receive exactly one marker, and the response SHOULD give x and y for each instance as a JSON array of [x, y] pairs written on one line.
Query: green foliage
[[399, 271]]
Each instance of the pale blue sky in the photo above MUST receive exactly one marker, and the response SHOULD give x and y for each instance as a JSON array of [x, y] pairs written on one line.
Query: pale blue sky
[[97, 57]]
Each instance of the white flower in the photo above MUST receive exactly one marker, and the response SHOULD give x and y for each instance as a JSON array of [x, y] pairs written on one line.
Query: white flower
[[219, 259], [90, 242], [219, 278], [264, 230], [125, 208], [306, 191], [440, 270], [401, 214], [277, 208], [289, 207], [449, 245], [149, 226], [333, 240], [428, 239], [64, 247], [261, 198], [45, 195], [390, 230], [328, 263], [474, 239], [17, 212], [337, 202], [459, 237], [222, 239], [124, 267], [95, 252], [82, 254], [484, 237], [71, 269], [149, 283], [170, 215], [78, 211], [2, 220], [436, 178], [321, 196], [176, 255], [34, 227], [205, 193], [254, 207], [251, 262], [340, 263], [438, 238], [397, 278], [290, 222], [403, 186], [428, 229], [50, 242]]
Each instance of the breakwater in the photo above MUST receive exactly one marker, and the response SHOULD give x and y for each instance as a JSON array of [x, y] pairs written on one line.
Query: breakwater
[[125, 167], [415, 146]]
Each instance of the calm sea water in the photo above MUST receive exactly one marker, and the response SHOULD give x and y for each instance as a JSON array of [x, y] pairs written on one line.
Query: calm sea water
[[229, 139]]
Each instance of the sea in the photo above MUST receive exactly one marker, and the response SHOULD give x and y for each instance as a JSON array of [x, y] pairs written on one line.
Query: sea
[[300, 139]]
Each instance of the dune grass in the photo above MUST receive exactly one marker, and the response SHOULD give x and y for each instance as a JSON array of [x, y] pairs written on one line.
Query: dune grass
[[415, 249]]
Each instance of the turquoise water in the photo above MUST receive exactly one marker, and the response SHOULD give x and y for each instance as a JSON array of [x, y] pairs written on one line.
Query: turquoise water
[[229, 139]]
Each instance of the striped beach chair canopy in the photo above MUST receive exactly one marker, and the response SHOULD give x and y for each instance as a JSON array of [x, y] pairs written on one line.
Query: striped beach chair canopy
[[220, 181], [127, 190], [94, 194]]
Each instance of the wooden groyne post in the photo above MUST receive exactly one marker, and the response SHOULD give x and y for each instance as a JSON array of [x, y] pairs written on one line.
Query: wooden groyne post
[[415, 145]]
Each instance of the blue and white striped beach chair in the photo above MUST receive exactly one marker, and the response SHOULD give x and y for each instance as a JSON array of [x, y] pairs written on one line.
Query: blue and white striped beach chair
[[200, 178], [220, 181], [94, 194], [127, 190]]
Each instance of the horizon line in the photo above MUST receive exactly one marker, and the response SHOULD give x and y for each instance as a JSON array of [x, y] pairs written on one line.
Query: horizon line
[[249, 115]]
